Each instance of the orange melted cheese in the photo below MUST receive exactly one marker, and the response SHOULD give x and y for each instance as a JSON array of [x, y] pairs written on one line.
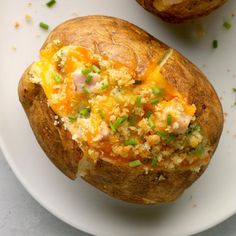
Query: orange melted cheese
[[110, 95]]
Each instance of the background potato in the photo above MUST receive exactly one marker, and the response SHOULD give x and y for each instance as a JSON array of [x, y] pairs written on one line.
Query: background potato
[[131, 46], [177, 11]]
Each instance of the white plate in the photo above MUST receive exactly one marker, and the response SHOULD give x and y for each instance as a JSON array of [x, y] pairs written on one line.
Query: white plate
[[213, 196]]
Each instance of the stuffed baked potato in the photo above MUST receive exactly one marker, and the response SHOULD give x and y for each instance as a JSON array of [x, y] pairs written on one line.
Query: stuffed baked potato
[[178, 11], [131, 116]]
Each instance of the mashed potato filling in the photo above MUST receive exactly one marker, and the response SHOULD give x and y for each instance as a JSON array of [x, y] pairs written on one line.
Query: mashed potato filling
[[113, 113]]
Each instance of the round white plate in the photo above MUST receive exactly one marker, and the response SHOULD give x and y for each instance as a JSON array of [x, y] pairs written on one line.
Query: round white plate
[[209, 201]]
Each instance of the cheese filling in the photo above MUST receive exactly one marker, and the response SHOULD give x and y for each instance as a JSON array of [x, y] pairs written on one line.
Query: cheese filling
[[114, 114]]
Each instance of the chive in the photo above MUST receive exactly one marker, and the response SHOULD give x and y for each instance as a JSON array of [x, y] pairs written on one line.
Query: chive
[[162, 134], [157, 91], [171, 138], [133, 120], [51, 3], [137, 82], [119, 121], [151, 124], [227, 25], [96, 69], [165, 136], [85, 90], [86, 71], [199, 150], [154, 161], [101, 113], [169, 120], [85, 112], [130, 142], [138, 101], [193, 128], [148, 114], [215, 43], [43, 26], [72, 117], [57, 79], [112, 128], [135, 163], [88, 79], [105, 86], [154, 101], [234, 89]]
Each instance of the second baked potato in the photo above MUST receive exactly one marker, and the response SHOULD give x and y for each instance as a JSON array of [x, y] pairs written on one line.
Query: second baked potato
[[178, 11], [130, 115]]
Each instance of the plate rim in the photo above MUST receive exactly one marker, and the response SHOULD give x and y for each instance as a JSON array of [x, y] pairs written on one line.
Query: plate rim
[[79, 226]]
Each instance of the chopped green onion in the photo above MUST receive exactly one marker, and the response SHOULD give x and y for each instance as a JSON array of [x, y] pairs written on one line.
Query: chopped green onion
[[157, 91], [138, 101], [137, 82], [227, 25], [171, 138], [148, 114], [154, 101], [130, 142], [150, 123], [105, 86], [57, 79], [154, 161], [199, 150], [192, 128], [86, 71], [166, 136], [133, 120], [85, 90], [169, 119], [88, 79], [96, 69], [51, 3], [234, 89], [43, 26], [101, 113], [215, 43], [112, 128], [135, 163], [85, 112], [72, 117], [119, 121]]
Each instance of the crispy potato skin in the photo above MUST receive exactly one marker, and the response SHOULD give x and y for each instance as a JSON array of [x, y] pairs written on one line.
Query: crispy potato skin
[[183, 11], [135, 48]]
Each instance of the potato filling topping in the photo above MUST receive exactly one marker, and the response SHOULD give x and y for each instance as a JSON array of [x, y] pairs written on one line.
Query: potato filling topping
[[114, 114]]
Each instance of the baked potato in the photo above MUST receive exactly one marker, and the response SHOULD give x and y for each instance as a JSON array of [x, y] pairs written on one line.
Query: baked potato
[[111, 103], [178, 11]]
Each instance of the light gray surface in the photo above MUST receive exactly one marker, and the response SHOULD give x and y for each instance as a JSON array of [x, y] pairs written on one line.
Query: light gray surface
[[21, 215]]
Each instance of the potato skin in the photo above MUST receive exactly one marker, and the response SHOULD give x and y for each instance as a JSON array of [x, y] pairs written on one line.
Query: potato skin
[[135, 48], [181, 12]]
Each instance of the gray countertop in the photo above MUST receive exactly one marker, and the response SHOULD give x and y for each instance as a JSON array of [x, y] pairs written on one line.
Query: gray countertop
[[21, 215]]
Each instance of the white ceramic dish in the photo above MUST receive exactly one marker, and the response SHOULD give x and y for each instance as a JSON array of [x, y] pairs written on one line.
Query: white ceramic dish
[[209, 201]]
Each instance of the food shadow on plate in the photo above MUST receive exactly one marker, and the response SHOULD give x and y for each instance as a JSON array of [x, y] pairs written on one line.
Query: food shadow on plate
[[127, 212]]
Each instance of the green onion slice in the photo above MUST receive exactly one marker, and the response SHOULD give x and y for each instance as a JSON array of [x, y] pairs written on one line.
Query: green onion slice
[[101, 113], [138, 101], [131, 142], [169, 119], [135, 163], [57, 79], [43, 26], [51, 3], [120, 120]]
